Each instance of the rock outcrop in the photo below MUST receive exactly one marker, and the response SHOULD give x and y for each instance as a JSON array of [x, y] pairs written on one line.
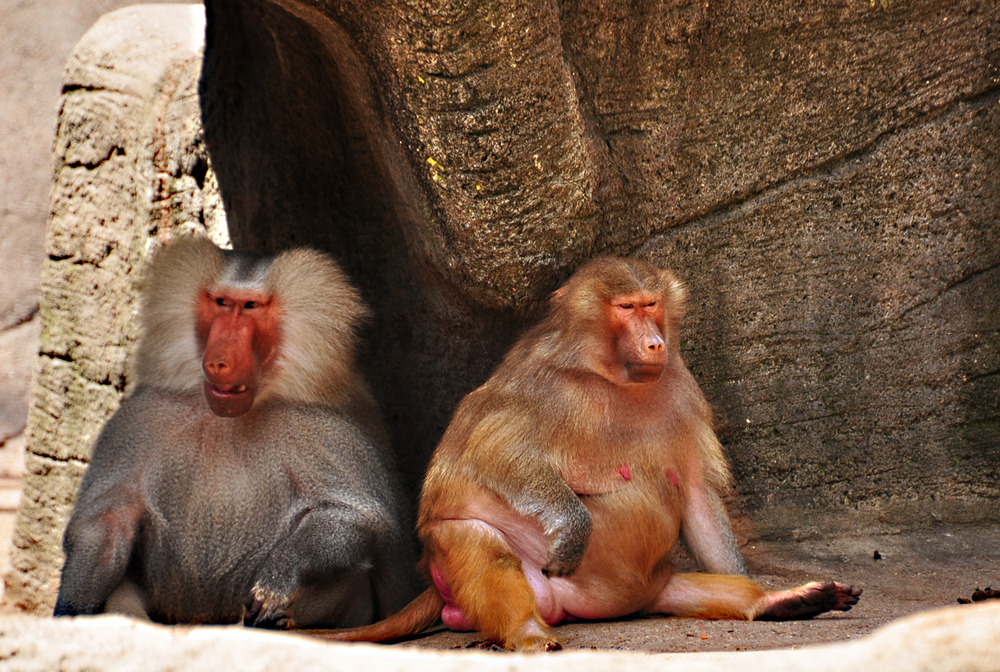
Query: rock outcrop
[[824, 176]]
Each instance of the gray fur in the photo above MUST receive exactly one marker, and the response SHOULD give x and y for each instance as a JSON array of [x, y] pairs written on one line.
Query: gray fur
[[290, 514]]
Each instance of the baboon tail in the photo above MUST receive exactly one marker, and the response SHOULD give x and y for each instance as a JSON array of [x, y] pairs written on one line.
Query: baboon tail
[[417, 616]]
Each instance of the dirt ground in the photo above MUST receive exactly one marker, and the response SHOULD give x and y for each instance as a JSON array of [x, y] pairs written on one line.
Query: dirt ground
[[916, 571]]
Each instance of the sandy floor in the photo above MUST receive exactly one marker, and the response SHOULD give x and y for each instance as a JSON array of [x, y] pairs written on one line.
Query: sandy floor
[[917, 571]]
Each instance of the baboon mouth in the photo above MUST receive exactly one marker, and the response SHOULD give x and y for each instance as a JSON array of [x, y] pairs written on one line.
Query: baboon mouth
[[229, 401], [225, 390], [644, 373]]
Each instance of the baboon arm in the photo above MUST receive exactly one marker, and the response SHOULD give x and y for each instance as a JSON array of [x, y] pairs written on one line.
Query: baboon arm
[[328, 540], [98, 548], [708, 533], [522, 476]]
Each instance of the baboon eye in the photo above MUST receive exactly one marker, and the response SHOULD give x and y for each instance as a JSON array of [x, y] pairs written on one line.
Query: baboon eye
[[651, 304], [220, 301], [250, 305], [626, 306]]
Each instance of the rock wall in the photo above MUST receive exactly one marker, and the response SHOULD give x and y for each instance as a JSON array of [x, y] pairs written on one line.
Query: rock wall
[[824, 176], [130, 170]]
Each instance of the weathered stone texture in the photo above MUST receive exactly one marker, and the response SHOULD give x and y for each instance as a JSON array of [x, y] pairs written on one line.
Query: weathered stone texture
[[820, 174], [825, 176], [955, 639], [853, 354], [130, 168]]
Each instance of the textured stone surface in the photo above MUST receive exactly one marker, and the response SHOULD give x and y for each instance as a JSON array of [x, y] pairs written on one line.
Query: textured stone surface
[[824, 176], [959, 639], [130, 168], [854, 355]]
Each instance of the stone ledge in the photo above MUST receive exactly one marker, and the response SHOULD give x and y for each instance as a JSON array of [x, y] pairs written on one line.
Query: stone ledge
[[956, 638]]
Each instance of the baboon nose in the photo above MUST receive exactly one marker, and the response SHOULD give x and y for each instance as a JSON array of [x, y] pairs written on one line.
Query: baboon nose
[[216, 367], [654, 344]]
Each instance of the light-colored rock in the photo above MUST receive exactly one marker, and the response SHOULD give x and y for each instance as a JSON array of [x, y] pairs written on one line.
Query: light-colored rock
[[131, 169], [15, 375], [957, 639]]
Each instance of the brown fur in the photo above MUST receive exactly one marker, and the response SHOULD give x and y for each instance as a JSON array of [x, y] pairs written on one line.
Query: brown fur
[[570, 471]]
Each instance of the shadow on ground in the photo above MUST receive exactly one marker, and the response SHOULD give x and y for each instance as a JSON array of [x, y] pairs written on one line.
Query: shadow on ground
[[916, 571]]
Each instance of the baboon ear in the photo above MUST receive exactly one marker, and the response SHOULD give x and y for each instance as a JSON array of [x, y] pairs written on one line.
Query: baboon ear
[[675, 293]]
